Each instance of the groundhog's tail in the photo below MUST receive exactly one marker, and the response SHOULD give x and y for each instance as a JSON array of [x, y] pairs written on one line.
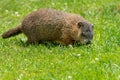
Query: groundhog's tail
[[12, 32]]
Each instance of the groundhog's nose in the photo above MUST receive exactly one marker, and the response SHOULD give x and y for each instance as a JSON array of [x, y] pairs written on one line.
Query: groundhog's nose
[[89, 42]]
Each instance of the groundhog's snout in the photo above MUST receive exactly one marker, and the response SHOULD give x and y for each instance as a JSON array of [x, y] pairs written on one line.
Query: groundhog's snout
[[90, 41], [90, 38]]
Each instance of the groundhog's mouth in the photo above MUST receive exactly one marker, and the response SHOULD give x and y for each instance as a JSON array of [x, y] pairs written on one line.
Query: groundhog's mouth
[[89, 42], [86, 42]]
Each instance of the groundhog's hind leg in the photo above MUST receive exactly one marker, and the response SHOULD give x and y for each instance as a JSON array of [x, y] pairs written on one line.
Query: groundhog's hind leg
[[32, 40], [32, 37]]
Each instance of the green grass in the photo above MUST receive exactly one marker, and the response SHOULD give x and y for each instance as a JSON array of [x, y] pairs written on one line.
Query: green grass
[[99, 61]]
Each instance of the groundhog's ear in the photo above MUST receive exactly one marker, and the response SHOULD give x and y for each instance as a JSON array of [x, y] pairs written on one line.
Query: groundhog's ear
[[80, 24]]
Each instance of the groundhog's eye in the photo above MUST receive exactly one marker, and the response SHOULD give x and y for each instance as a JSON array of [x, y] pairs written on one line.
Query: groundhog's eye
[[83, 34]]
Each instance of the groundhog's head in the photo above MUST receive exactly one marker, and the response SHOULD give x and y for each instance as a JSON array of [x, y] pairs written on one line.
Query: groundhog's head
[[84, 33]]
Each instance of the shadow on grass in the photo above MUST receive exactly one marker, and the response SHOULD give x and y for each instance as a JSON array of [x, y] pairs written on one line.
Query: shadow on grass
[[50, 44]]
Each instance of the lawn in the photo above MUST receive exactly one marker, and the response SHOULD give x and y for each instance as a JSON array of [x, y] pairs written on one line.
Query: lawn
[[50, 61]]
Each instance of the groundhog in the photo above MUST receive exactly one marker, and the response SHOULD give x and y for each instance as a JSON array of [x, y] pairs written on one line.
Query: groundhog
[[53, 25]]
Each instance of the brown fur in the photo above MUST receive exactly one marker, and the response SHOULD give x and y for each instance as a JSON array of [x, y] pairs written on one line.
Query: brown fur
[[50, 25]]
